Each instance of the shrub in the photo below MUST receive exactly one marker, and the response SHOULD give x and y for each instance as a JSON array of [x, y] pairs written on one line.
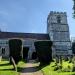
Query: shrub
[[56, 68], [70, 59], [44, 51], [15, 49], [66, 58], [73, 61], [66, 69], [73, 69], [73, 47], [57, 59]]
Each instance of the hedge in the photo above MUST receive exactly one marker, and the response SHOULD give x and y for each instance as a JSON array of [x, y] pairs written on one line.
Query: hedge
[[73, 47], [15, 49], [44, 51]]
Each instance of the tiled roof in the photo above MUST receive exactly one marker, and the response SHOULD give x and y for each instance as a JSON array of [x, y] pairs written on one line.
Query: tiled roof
[[38, 36]]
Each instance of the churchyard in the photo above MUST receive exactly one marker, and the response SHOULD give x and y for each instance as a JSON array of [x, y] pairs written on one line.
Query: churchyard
[[56, 67], [15, 65]]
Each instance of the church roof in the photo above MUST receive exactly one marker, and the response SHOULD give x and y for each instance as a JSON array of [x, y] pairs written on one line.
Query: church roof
[[37, 36]]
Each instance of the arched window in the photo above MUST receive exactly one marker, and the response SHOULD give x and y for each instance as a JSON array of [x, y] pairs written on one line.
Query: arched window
[[58, 19]]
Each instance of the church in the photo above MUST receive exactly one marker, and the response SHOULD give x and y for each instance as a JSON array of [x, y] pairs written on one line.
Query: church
[[57, 32]]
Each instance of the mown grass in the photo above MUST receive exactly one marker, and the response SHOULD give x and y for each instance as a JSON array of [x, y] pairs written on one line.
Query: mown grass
[[7, 69], [49, 69]]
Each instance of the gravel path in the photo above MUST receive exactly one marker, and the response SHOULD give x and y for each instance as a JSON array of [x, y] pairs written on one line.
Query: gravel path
[[30, 69]]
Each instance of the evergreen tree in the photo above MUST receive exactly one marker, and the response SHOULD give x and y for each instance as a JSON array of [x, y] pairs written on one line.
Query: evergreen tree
[[73, 47], [74, 8]]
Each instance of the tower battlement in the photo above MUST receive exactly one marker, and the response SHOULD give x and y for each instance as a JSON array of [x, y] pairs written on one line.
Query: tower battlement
[[56, 13]]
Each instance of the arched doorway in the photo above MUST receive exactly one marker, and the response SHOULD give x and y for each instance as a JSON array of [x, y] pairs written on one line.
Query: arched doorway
[[25, 52], [34, 55]]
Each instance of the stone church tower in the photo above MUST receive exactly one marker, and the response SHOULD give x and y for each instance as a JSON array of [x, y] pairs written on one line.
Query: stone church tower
[[58, 30]]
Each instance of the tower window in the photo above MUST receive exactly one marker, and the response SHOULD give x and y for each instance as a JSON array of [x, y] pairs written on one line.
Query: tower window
[[3, 50], [58, 19]]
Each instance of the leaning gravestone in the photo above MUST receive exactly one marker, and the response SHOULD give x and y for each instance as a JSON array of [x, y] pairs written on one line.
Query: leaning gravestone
[[60, 60], [57, 60]]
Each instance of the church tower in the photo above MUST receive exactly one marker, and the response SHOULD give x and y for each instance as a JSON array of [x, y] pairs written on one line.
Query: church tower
[[58, 30]]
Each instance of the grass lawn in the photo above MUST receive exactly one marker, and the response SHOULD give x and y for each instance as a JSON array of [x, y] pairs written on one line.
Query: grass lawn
[[6, 68], [49, 70]]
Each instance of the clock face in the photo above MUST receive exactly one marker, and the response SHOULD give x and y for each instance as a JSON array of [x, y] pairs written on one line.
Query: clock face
[[58, 19]]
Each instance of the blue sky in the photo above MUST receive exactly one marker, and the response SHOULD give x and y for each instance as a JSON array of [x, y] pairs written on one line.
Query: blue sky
[[30, 16]]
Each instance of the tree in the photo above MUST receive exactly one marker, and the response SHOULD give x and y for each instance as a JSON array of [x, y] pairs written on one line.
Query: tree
[[15, 48], [74, 8], [44, 51], [73, 47]]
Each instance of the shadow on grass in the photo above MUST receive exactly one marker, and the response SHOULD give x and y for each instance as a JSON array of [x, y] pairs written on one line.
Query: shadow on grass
[[6, 64], [42, 65], [30, 69], [24, 70], [27, 69], [9, 69], [6, 69]]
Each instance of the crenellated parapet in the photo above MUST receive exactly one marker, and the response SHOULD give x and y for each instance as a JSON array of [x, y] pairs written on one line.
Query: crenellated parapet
[[53, 17], [56, 13]]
